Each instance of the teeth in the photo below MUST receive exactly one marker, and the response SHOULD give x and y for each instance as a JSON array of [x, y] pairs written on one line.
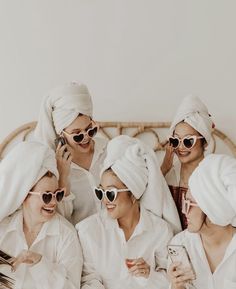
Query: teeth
[[111, 206], [49, 209]]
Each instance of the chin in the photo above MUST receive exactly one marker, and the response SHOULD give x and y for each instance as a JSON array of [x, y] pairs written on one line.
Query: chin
[[113, 215], [86, 148], [47, 216], [185, 159]]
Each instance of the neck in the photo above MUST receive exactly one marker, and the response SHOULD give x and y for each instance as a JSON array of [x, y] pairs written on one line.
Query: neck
[[214, 235], [128, 222], [187, 170], [30, 224], [191, 166]]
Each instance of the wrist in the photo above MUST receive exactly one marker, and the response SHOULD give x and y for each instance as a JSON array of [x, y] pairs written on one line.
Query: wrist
[[164, 170]]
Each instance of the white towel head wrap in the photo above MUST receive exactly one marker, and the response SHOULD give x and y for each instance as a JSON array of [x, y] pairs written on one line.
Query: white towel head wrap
[[20, 170], [60, 108], [136, 165], [213, 185], [194, 112]]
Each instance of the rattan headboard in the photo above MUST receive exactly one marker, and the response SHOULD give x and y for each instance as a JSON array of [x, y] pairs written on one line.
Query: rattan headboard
[[155, 133]]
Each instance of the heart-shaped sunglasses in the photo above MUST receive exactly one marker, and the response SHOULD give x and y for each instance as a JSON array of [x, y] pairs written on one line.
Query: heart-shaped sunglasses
[[46, 197], [188, 141], [110, 194]]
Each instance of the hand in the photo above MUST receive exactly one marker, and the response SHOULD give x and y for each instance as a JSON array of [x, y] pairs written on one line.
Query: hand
[[64, 159], [27, 257], [180, 276], [138, 267], [168, 159]]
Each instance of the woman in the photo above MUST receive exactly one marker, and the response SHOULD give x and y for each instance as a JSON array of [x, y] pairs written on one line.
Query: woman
[[210, 239], [44, 246], [190, 133], [124, 246], [67, 113]]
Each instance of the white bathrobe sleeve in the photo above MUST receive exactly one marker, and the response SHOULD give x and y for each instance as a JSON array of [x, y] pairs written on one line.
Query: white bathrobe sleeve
[[65, 208], [65, 273]]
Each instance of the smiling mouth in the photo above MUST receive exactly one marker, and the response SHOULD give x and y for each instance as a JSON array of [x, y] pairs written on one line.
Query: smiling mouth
[[85, 144], [49, 210], [183, 154], [110, 207]]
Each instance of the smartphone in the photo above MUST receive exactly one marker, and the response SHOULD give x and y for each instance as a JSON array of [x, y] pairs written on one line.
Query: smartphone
[[178, 253], [60, 140]]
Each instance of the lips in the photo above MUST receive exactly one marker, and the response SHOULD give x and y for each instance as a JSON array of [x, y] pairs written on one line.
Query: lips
[[85, 144], [49, 210], [110, 207], [183, 153]]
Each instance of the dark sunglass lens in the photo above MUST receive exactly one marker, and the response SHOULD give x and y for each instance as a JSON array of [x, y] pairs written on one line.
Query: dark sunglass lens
[[110, 195], [92, 131], [99, 194], [47, 197], [78, 138], [188, 142], [59, 196], [174, 142]]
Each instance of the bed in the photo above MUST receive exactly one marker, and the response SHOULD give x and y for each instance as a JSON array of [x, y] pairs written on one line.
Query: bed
[[153, 133]]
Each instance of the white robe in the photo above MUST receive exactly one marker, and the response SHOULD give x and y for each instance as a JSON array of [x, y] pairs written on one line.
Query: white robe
[[57, 242], [82, 202], [173, 176], [224, 276], [105, 250]]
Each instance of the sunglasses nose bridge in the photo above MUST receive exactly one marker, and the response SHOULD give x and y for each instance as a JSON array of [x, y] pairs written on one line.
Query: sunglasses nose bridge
[[53, 200], [181, 144]]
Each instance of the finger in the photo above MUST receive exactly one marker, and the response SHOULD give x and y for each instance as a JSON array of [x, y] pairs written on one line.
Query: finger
[[17, 262], [138, 261], [178, 272], [141, 273], [70, 158], [58, 146], [130, 261], [137, 267], [59, 150], [66, 155], [63, 148], [185, 278], [174, 266]]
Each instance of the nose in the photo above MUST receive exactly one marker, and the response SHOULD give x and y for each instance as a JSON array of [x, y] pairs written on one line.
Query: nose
[[181, 145], [105, 201], [53, 201]]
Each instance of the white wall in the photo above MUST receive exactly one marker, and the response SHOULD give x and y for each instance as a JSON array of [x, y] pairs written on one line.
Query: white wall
[[138, 57]]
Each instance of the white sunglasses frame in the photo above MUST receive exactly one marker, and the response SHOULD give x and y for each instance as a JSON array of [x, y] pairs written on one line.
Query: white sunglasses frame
[[181, 140], [189, 205], [83, 132], [40, 194], [104, 193]]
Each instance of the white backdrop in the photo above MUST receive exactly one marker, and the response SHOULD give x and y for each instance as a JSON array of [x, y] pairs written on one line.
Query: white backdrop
[[138, 57]]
